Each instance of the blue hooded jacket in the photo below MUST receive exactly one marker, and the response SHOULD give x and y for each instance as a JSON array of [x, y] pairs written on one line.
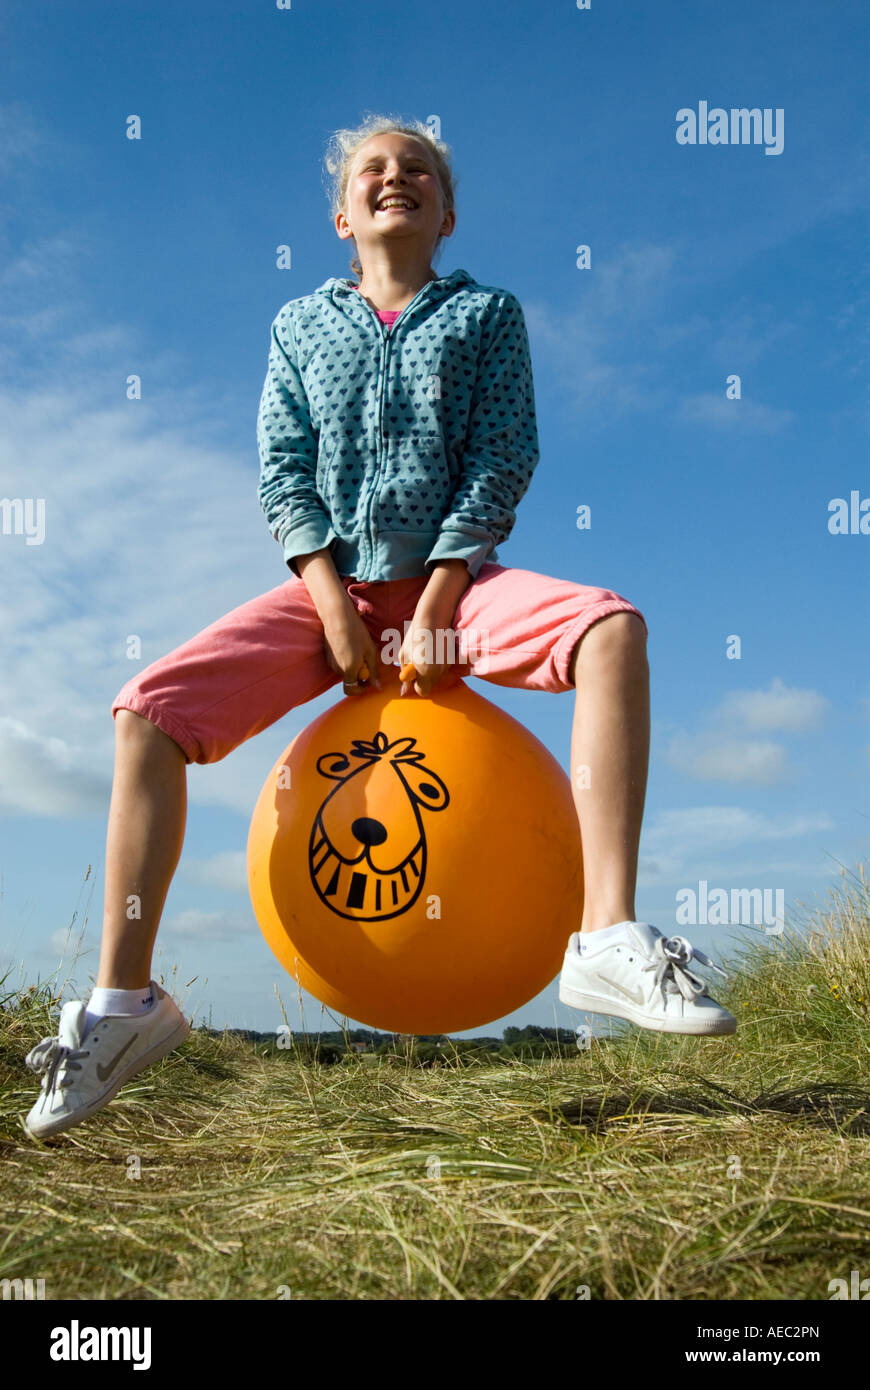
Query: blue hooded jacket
[[397, 447]]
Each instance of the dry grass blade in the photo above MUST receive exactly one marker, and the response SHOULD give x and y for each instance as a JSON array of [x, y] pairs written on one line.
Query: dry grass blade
[[646, 1167]]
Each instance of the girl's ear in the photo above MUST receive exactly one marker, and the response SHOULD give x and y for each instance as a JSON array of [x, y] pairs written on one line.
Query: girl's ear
[[342, 226]]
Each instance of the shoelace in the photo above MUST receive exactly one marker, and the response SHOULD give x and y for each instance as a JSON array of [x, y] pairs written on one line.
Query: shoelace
[[49, 1056], [673, 954]]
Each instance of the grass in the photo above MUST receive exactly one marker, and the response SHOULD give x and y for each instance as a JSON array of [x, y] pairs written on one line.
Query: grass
[[646, 1167]]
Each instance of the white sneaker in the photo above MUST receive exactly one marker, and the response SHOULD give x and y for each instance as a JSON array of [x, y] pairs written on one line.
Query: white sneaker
[[83, 1073], [642, 977]]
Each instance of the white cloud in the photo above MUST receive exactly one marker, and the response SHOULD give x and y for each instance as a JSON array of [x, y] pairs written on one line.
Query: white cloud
[[730, 825], [43, 775], [197, 924], [708, 757], [723, 752], [227, 870], [27, 270], [743, 337], [712, 408], [648, 868], [149, 530], [633, 281], [596, 351], [20, 142], [780, 707], [67, 942], [682, 841], [609, 355]]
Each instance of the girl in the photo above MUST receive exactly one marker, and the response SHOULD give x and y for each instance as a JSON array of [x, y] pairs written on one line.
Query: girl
[[397, 434]]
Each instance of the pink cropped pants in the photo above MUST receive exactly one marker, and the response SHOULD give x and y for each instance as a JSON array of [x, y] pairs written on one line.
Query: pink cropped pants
[[242, 673]]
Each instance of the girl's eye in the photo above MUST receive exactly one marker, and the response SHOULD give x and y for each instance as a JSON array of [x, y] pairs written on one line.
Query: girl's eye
[[371, 168]]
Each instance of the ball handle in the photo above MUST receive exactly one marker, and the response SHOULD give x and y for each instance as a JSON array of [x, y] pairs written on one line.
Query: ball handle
[[407, 673]]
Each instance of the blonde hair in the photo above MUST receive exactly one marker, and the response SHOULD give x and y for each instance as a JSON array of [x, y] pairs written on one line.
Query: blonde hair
[[344, 144]]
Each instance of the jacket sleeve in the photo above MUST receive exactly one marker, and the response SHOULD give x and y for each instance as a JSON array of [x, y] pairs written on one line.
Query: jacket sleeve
[[501, 446], [288, 444]]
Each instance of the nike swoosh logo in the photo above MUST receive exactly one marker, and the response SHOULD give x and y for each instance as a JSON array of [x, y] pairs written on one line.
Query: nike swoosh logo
[[635, 995], [105, 1072]]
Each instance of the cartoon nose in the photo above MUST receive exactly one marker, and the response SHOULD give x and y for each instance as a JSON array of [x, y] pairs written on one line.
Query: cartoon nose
[[369, 831]]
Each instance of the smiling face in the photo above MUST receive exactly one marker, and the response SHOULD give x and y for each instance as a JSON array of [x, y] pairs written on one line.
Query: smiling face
[[367, 851], [397, 167]]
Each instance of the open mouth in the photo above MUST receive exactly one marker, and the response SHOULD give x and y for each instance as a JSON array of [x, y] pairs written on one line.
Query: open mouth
[[396, 205], [358, 891]]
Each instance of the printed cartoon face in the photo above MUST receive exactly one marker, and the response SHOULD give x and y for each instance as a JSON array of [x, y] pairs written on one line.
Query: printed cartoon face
[[367, 852]]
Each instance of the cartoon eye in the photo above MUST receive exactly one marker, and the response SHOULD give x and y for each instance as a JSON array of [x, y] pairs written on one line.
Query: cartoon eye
[[333, 764], [424, 785]]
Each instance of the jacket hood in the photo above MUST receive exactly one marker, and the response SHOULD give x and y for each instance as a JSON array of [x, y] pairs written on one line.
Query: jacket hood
[[343, 292]]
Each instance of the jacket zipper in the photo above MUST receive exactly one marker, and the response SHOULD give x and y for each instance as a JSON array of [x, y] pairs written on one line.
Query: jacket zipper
[[385, 352], [386, 334]]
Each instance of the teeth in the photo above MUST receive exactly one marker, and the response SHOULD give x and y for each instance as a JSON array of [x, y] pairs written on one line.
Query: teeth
[[395, 203]]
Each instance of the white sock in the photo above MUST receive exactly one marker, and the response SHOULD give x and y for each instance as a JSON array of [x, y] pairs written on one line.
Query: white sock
[[618, 931], [127, 1002]]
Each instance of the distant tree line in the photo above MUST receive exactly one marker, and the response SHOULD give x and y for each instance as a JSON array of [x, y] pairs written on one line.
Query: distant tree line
[[434, 1049]]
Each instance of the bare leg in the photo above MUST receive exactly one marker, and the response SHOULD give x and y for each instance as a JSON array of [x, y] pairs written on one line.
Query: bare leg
[[147, 817], [610, 738]]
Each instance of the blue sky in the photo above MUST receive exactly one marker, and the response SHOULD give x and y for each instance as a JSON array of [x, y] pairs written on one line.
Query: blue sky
[[157, 257]]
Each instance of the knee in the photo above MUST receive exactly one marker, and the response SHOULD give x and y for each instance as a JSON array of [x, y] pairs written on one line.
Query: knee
[[128, 724], [622, 629], [620, 636], [133, 730]]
